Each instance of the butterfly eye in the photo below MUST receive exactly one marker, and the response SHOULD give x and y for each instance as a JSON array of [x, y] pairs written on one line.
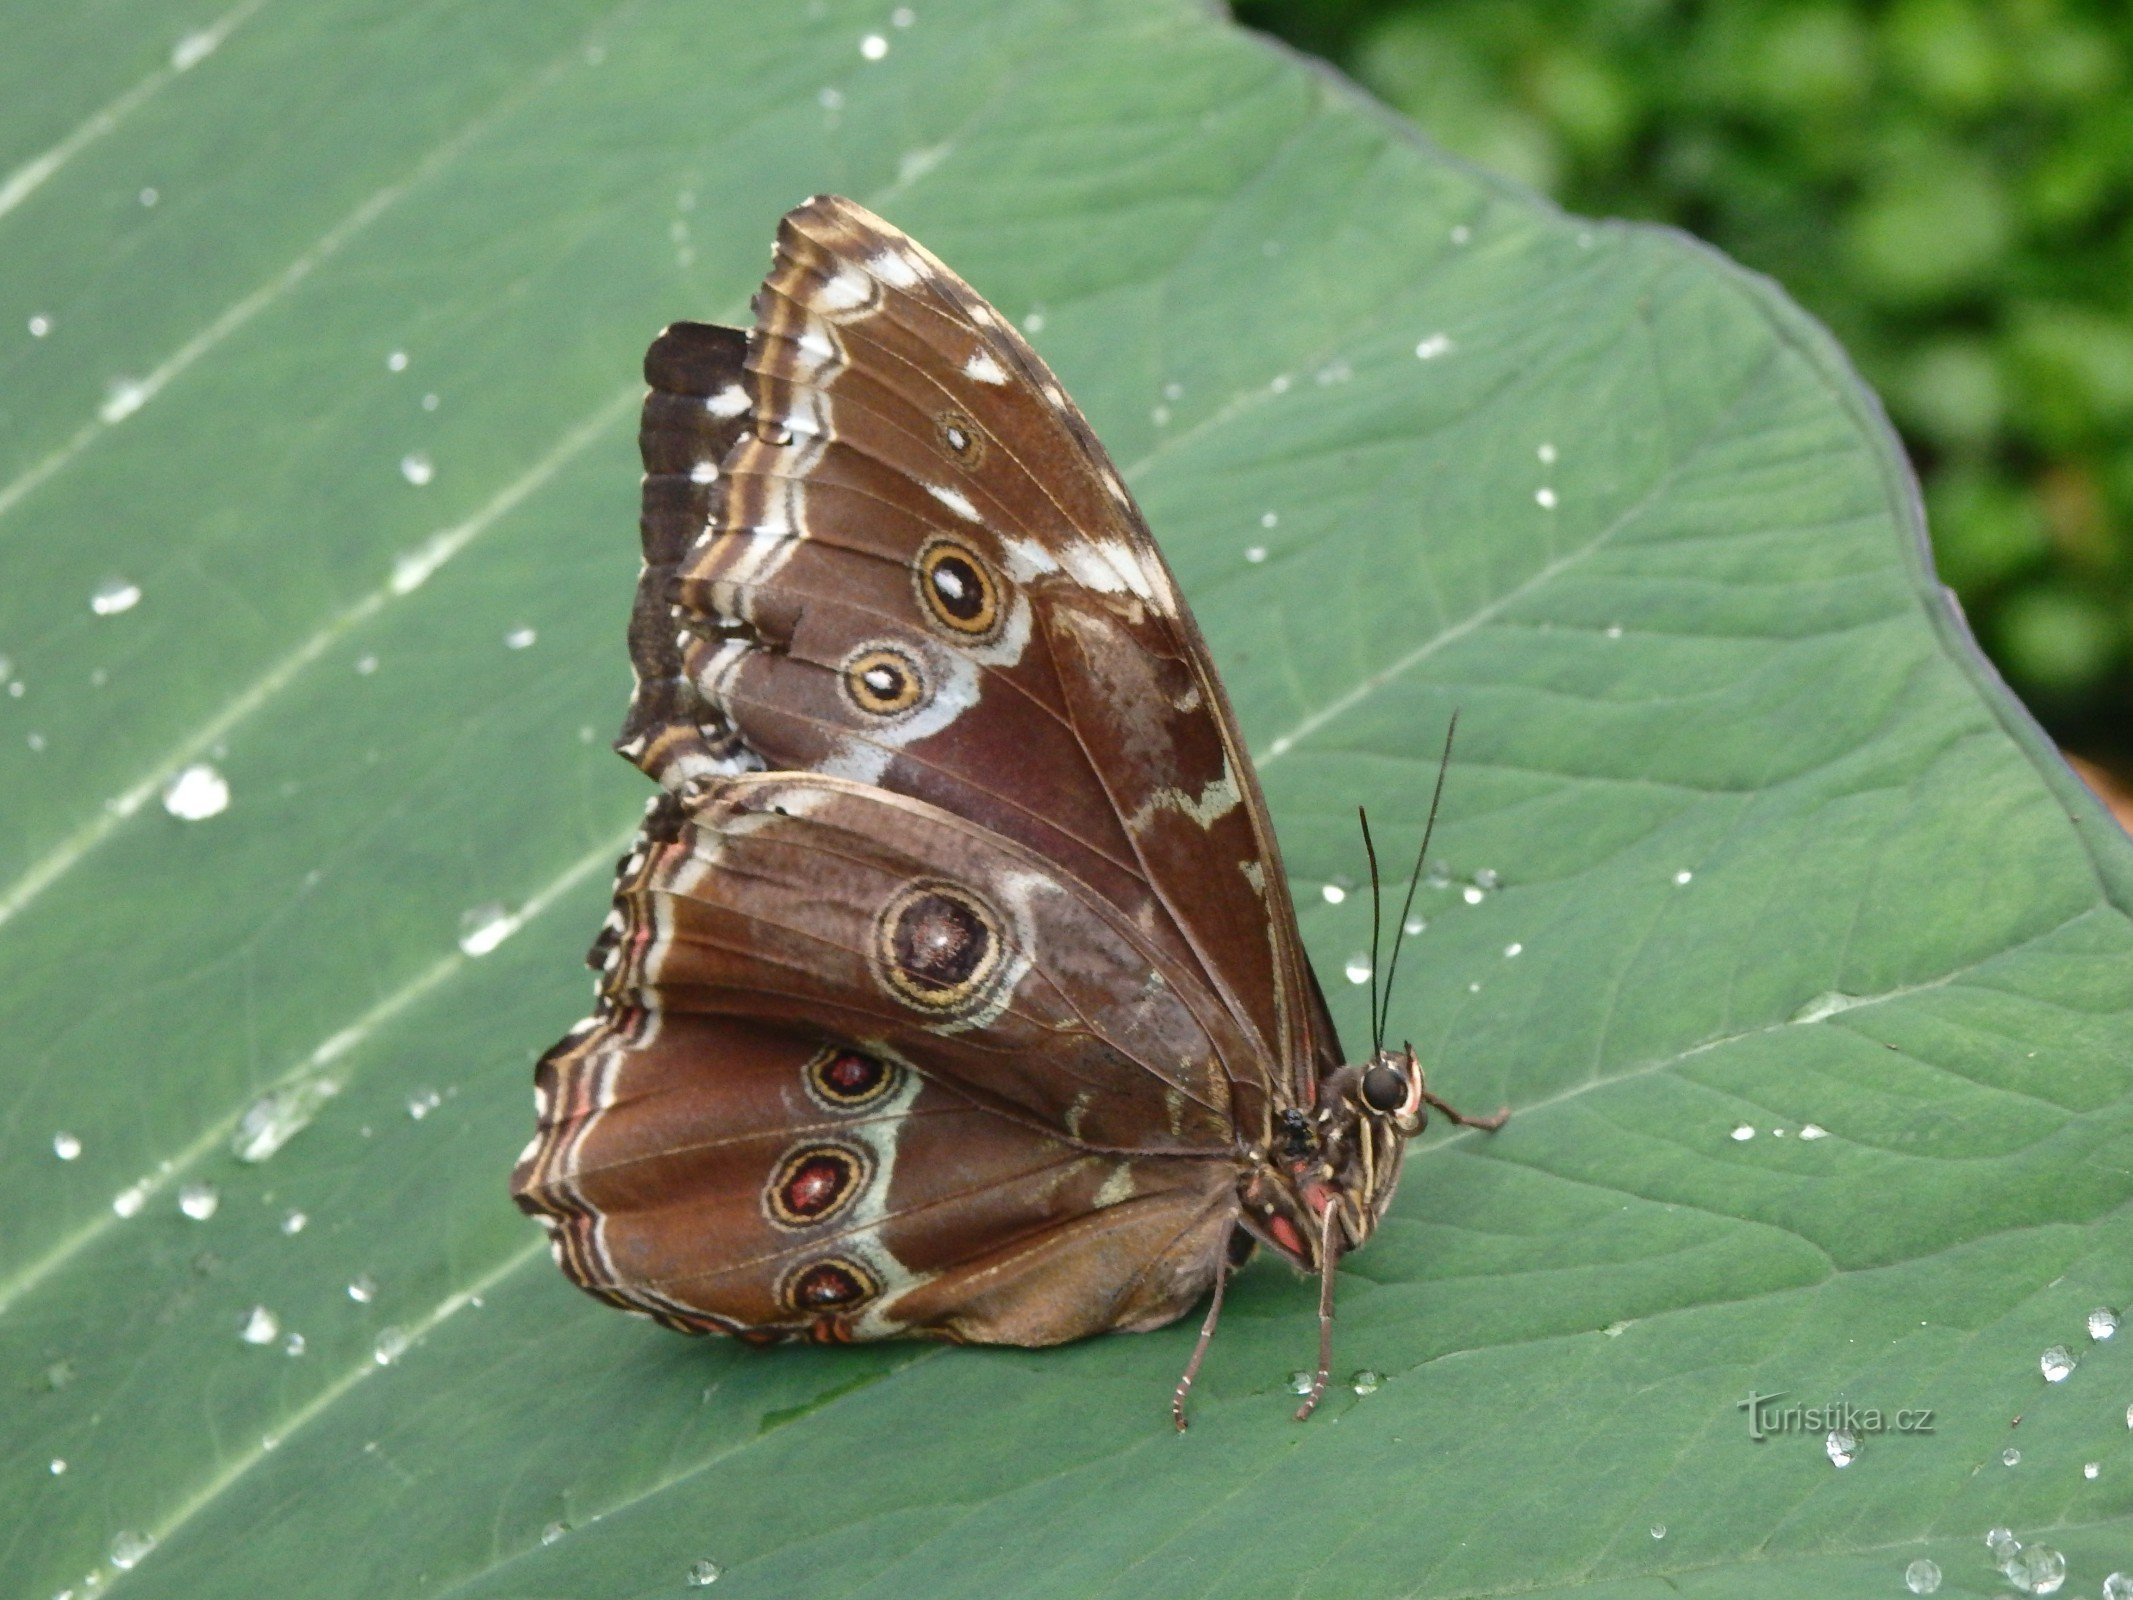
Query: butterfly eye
[[960, 435], [1385, 1088], [815, 1183], [938, 948], [958, 588], [882, 681], [838, 1284]]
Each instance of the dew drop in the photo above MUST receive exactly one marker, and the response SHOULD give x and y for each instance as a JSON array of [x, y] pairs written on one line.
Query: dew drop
[[1658, 1530], [1743, 1133], [1472, 895], [2118, 1586], [1461, 233], [1366, 1381], [1033, 322], [429, 402], [2129, 1416], [1547, 455], [1473, 988], [2092, 1470], [391, 1346], [2010, 1457], [2056, 1363], [122, 398], [1300, 1382], [1255, 554], [484, 928], [554, 1532], [902, 17], [199, 1200], [193, 49], [1269, 519], [2038, 1570], [1435, 345], [1160, 416], [58, 1466], [1683, 878], [1814, 1130], [1544, 498], [197, 793], [128, 1549], [40, 326], [873, 47], [2103, 1322], [1843, 1447], [363, 1289], [2003, 1545], [113, 596], [365, 665], [260, 1326], [1279, 383], [278, 1116], [149, 196], [1614, 630], [293, 1223], [129, 1200], [1334, 894], [1358, 969], [66, 1146], [1413, 926], [421, 1103], [58, 1375], [417, 468], [1512, 949], [1921, 1576], [396, 362]]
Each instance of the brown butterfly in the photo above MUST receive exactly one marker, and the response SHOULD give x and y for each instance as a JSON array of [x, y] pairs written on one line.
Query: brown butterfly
[[952, 988]]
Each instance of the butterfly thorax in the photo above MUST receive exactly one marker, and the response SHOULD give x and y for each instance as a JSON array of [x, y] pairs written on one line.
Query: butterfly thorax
[[1339, 1156]]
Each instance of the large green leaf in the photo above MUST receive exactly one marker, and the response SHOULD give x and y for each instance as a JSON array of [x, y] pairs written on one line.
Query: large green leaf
[[1775, 849]]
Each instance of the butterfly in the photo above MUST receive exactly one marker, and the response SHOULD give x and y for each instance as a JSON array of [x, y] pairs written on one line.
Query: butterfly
[[952, 987]]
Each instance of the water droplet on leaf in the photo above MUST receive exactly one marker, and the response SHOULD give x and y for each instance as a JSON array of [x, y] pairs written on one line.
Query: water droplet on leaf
[[129, 1548], [197, 793], [2038, 1570], [2103, 1322], [2056, 1363], [1921, 1576], [1743, 1133], [66, 1146], [1358, 969], [1843, 1447], [113, 596], [703, 1574], [1366, 1382], [417, 468], [391, 1346], [363, 1289], [2010, 1457], [199, 1200], [260, 1326], [484, 928]]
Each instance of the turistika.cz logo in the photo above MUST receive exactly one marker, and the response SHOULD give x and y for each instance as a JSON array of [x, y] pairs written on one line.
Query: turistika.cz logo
[[1766, 1417]]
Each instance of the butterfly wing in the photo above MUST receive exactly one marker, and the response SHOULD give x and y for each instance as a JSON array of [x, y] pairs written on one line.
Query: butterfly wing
[[921, 570], [744, 1139]]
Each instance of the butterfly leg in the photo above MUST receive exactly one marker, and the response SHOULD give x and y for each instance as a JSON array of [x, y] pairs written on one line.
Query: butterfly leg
[[1328, 1263], [1488, 1124], [1199, 1350]]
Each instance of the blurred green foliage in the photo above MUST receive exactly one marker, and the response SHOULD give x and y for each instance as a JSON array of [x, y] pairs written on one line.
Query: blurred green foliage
[[1947, 183]]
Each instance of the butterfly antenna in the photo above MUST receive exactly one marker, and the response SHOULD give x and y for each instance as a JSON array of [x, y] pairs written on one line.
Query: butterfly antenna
[[1414, 879], [1377, 921]]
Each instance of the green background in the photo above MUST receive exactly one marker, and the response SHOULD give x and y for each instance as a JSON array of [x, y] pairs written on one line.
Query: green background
[[1774, 847], [1947, 183]]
